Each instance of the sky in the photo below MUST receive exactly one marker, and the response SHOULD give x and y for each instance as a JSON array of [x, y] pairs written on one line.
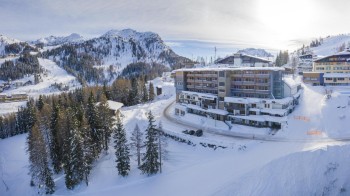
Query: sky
[[270, 24]]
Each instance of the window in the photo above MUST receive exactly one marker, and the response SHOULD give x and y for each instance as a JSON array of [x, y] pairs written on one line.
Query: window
[[221, 83], [222, 90], [221, 74]]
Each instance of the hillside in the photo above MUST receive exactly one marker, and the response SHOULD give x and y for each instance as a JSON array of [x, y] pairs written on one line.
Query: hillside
[[57, 40], [255, 52], [112, 52], [320, 172], [329, 45]]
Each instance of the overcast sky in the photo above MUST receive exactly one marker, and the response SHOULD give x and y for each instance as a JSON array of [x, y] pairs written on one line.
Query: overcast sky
[[267, 23]]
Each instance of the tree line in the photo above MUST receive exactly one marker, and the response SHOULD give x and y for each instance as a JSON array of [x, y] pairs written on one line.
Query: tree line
[[68, 132], [26, 64], [282, 58]]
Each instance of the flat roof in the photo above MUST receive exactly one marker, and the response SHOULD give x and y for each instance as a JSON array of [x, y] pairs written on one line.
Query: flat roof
[[232, 69], [336, 75]]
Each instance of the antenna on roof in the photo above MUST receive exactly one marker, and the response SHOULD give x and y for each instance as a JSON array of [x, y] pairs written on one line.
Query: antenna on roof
[[215, 55]]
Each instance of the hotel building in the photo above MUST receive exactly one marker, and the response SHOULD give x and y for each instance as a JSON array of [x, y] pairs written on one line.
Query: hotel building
[[256, 96]]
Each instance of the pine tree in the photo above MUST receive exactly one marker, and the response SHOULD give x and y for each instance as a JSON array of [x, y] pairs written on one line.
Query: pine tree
[[151, 92], [145, 97], [137, 143], [40, 103], [88, 151], [162, 144], [121, 148], [73, 158], [55, 151], [106, 120], [150, 163], [95, 125], [41, 175]]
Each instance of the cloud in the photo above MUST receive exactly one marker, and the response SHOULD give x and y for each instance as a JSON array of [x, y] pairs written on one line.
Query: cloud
[[269, 23]]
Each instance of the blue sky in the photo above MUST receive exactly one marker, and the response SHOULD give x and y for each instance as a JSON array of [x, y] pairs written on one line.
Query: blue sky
[[272, 24]]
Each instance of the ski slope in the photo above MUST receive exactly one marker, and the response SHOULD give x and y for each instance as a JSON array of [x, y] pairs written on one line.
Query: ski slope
[[55, 75]]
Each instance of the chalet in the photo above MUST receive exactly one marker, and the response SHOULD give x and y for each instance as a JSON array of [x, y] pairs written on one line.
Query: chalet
[[113, 106], [244, 60]]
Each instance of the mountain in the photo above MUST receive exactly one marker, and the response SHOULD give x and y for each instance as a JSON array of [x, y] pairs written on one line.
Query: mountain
[[55, 40], [4, 42], [327, 46], [112, 52], [255, 52]]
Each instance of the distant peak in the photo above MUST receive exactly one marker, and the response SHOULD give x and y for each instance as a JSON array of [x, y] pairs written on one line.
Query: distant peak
[[127, 33]]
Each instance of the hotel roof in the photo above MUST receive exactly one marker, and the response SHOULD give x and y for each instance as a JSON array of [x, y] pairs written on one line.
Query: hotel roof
[[232, 69]]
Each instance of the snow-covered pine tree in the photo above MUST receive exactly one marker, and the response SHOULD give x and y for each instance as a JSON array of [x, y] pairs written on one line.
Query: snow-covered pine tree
[[40, 103], [41, 175], [137, 143], [55, 151], [74, 155], [151, 92], [88, 153], [145, 97], [162, 144], [121, 148], [150, 163], [94, 122], [106, 121]]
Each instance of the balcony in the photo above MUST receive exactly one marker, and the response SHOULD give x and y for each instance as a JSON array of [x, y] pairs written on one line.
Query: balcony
[[262, 75], [210, 75], [190, 80]]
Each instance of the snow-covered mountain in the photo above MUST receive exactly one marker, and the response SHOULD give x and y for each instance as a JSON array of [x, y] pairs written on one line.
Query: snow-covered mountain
[[4, 41], [255, 52], [112, 52], [56, 40], [330, 45]]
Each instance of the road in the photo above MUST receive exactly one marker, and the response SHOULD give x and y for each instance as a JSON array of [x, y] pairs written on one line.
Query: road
[[235, 135]]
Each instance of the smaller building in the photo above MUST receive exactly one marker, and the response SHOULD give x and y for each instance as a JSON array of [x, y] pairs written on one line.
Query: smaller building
[[244, 60], [313, 78], [159, 90], [336, 79]]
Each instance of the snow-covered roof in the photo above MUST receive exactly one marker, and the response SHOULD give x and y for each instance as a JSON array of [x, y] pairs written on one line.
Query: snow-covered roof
[[280, 112], [232, 69], [113, 105], [214, 111], [262, 118], [257, 100], [336, 75], [203, 95], [291, 82]]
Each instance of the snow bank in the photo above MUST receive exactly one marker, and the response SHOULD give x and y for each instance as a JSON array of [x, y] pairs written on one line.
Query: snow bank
[[321, 172]]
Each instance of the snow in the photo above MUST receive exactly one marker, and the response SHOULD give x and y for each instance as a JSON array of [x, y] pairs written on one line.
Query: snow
[[54, 40], [205, 95], [244, 100], [114, 105], [4, 40], [331, 45], [263, 118], [55, 74], [256, 52], [246, 167], [320, 172], [231, 68]]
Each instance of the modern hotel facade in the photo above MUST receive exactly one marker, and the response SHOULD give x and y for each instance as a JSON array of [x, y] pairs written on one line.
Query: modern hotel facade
[[331, 70], [256, 96]]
